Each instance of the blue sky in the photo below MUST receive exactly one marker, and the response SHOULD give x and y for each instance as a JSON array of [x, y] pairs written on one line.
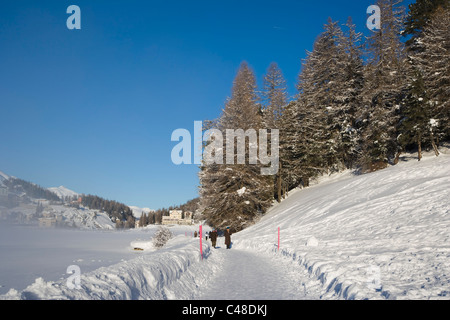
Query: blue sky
[[94, 109]]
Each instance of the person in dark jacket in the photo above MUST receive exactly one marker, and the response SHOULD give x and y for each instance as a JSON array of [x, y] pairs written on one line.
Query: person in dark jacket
[[228, 238], [213, 237]]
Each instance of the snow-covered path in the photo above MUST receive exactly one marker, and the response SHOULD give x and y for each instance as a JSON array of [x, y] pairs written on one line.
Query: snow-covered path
[[245, 275]]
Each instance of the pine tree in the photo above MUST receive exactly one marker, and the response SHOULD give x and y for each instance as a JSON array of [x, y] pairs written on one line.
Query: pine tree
[[274, 96], [234, 193], [119, 224], [325, 86], [242, 109], [141, 220], [352, 88], [419, 16], [433, 61], [296, 147], [145, 219], [385, 82], [130, 222], [39, 209], [416, 122]]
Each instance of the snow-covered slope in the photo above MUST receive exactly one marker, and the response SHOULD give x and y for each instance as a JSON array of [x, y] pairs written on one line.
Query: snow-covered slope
[[62, 192], [3, 176], [24, 212], [84, 218], [379, 235]]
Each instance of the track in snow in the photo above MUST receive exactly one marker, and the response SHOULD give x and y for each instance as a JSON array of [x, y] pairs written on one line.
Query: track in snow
[[245, 275]]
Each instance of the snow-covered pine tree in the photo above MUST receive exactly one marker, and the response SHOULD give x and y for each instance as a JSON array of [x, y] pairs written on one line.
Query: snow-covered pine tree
[[419, 15], [416, 115], [325, 93], [352, 86], [233, 194], [142, 220], [297, 153], [385, 81], [242, 109], [130, 222], [274, 97], [433, 61]]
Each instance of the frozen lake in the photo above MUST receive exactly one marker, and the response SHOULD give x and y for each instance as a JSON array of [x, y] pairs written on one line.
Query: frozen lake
[[28, 252]]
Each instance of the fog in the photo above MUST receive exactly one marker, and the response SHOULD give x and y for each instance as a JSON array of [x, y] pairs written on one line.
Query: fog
[[30, 252]]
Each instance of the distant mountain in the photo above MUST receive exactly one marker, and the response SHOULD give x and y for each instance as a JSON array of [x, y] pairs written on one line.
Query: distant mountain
[[26, 196], [63, 192], [19, 187], [3, 176], [137, 211]]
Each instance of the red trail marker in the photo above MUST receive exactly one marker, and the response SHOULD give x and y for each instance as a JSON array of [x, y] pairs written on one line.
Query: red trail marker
[[278, 238], [201, 248]]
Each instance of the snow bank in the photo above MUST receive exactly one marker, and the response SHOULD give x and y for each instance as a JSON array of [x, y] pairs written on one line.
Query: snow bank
[[384, 235], [152, 275]]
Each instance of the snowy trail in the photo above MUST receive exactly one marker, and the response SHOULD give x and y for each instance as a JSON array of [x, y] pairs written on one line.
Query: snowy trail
[[246, 275]]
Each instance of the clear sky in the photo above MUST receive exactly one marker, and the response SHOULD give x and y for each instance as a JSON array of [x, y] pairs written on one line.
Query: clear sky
[[94, 109]]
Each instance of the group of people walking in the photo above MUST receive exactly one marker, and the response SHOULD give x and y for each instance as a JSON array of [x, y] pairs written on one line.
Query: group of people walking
[[227, 234]]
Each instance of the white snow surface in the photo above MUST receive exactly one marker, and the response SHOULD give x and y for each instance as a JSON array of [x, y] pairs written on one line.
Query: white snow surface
[[241, 191], [384, 235], [34, 259], [63, 192]]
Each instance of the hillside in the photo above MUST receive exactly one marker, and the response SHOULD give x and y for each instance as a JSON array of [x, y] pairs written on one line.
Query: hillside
[[379, 235], [3, 176], [30, 204], [384, 235], [62, 192]]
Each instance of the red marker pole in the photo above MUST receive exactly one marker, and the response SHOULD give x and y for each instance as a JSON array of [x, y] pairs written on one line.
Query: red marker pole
[[278, 238], [201, 248]]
